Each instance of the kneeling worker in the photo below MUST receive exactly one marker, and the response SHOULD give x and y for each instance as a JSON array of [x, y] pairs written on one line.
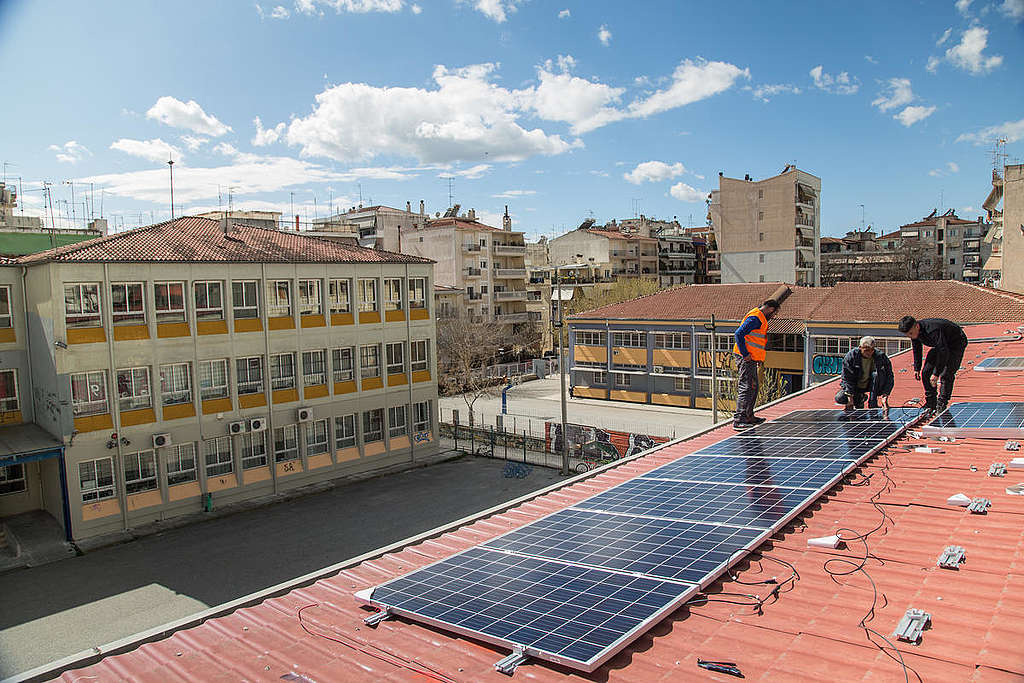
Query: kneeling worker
[[948, 343], [751, 346], [866, 372]]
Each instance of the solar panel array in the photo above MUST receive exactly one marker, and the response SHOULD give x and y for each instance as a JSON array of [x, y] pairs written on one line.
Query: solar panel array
[[993, 420], [578, 585], [1007, 363]]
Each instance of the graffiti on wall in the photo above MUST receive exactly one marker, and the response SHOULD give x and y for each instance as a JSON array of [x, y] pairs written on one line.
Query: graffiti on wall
[[725, 360], [596, 443], [827, 365]]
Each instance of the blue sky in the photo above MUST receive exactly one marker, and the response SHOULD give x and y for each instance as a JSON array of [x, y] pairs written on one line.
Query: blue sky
[[561, 110]]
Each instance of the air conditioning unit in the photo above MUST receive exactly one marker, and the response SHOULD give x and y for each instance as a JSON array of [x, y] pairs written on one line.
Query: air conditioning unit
[[237, 427], [659, 369], [161, 440], [304, 414], [257, 424]]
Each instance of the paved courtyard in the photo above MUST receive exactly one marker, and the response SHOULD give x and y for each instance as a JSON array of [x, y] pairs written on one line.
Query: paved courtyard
[[532, 403], [60, 609]]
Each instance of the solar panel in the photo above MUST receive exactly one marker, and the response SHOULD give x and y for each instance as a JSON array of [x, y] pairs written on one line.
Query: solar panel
[[684, 551], [759, 507], [879, 431], [900, 415], [789, 472], [996, 420], [1007, 363], [572, 615], [780, 447]]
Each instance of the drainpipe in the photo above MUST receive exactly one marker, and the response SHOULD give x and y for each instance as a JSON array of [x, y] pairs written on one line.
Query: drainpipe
[[108, 325], [411, 410], [31, 382], [267, 387]]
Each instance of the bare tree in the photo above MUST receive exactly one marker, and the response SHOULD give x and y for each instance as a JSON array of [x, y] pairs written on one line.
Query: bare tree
[[526, 339], [464, 350]]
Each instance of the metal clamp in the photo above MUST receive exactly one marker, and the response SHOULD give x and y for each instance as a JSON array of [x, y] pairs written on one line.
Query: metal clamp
[[377, 617], [997, 469], [912, 624], [508, 665], [1012, 446], [952, 557], [979, 506]]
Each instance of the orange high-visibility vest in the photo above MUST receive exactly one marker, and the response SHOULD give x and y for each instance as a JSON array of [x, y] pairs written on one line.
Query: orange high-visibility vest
[[756, 340]]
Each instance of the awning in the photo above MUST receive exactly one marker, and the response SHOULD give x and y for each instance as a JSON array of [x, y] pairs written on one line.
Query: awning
[[994, 262], [25, 443], [567, 292], [786, 326]]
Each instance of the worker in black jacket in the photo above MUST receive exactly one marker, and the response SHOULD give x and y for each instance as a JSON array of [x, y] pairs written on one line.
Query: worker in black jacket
[[867, 376], [948, 343]]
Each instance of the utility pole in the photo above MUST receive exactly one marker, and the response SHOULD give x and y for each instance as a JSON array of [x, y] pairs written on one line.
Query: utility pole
[[561, 375], [862, 218], [170, 168]]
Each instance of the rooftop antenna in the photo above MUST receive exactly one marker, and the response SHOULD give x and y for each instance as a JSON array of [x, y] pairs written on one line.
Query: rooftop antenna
[[101, 202], [220, 200], [451, 179], [998, 154], [231, 198], [170, 169], [6, 164], [636, 206], [862, 218], [360, 186], [74, 218], [22, 195]]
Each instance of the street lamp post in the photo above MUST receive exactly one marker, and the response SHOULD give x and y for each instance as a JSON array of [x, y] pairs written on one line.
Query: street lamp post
[[561, 374]]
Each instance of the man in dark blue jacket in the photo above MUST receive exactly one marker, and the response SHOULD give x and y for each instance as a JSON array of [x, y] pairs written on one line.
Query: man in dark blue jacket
[[866, 371]]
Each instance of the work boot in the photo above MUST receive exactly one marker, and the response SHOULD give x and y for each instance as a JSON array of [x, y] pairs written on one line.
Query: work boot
[[740, 426], [757, 420]]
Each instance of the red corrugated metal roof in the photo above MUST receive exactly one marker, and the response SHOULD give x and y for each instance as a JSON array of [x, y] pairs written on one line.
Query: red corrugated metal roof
[[810, 632], [194, 239]]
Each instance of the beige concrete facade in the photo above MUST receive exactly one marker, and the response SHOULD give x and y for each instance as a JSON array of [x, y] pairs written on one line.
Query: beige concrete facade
[[610, 254], [277, 385], [1013, 228], [768, 230]]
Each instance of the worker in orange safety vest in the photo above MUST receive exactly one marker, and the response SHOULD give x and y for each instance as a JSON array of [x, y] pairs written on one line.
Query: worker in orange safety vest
[[751, 347]]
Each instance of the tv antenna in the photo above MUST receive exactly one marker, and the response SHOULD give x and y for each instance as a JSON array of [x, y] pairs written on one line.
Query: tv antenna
[[998, 154]]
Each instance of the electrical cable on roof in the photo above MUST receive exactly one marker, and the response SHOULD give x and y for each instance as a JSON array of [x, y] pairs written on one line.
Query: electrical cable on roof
[[382, 655]]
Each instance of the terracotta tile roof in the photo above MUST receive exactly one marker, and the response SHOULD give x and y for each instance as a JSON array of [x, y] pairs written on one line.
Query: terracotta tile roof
[[194, 239], [467, 224], [810, 631], [445, 289], [616, 235], [847, 301]]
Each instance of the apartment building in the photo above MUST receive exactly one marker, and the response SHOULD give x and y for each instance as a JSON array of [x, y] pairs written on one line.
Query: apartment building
[[677, 257], [1013, 233], [21, 234], [955, 244], [768, 230], [488, 264], [658, 349], [609, 253], [196, 362], [377, 227]]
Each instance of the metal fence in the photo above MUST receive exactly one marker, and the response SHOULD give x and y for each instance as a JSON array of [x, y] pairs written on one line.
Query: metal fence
[[534, 426]]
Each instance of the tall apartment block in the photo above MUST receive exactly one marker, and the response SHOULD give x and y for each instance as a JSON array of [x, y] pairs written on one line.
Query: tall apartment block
[[953, 244], [1013, 233], [155, 372], [768, 230], [610, 253]]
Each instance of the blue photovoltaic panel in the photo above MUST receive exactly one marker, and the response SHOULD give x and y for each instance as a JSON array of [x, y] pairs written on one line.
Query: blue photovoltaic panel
[[880, 431], [789, 472], [791, 448], [996, 420], [1005, 364], [754, 506], [659, 548], [901, 416], [572, 614]]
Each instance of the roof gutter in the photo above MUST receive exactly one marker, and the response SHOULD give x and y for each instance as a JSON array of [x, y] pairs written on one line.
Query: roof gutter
[[93, 655]]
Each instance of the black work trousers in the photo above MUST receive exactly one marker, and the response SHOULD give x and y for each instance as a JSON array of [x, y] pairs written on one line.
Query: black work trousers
[[939, 399]]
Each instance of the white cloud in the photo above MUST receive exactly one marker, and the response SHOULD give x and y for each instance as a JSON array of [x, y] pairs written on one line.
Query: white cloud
[[70, 152], [278, 12], [514, 194], [1011, 131], [564, 14], [967, 209], [598, 173], [465, 117], [250, 173], [188, 115], [415, 9], [692, 81], [766, 92], [193, 142], [967, 55], [953, 166], [840, 84], [561, 96], [897, 93], [155, 150], [945, 36], [933, 64], [870, 59], [227, 149], [266, 136], [313, 7], [1014, 9], [962, 6], [471, 173], [653, 172], [912, 115], [496, 10], [935, 172], [604, 35], [685, 193]]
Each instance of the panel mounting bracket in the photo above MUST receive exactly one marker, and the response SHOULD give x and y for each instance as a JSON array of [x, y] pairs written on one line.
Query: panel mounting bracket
[[1012, 445], [997, 469], [508, 665], [377, 617], [912, 624], [979, 506], [952, 557]]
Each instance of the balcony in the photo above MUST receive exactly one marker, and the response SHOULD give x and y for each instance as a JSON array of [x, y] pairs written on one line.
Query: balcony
[[471, 247], [510, 273], [475, 296], [512, 317], [471, 272], [804, 243], [804, 264], [519, 295], [509, 249], [804, 201]]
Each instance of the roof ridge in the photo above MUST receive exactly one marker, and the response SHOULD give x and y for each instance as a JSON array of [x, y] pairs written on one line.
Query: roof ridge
[[103, 239]]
